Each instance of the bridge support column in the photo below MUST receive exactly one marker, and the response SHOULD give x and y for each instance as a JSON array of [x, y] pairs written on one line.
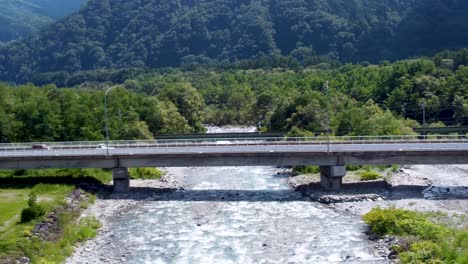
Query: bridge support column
[[331, 177], [121, 180]]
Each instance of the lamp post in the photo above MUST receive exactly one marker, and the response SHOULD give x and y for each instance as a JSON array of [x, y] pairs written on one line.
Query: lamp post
[[107, 122], [328, 116], [423, 107]]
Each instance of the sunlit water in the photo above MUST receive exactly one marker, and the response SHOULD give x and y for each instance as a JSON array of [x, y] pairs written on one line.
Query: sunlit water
[[239, 215]]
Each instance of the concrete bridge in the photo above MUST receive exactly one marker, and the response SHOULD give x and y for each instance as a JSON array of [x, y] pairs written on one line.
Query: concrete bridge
[[331, 154]]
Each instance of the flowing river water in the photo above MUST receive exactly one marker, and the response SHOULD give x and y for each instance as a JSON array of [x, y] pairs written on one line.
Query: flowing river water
[[239, 215]]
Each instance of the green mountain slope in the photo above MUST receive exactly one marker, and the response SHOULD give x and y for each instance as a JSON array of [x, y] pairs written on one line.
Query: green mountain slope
[[19, 18], [157, 33]]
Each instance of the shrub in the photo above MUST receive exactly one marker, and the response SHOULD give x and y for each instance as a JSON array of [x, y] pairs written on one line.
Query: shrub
[[353, 167], [428, 242], [370, 175], [31, 213], [305, 170], [87, 228], [145, 173], [422, 252], [33, 210]]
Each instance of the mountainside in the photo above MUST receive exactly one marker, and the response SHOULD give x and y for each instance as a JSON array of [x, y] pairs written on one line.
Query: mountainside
[[20, 18], [157, 33]]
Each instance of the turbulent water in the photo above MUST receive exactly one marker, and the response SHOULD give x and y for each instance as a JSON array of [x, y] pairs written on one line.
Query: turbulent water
[[239, 215]]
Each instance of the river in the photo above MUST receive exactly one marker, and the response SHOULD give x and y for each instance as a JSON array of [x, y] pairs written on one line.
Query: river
[[239, 215]]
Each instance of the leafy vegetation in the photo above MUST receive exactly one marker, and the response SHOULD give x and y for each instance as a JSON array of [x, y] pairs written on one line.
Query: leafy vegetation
[[119, 34], [32, 177], [41, 251], [305, 170], [369, 175], [425, 241], [30, 114], [13, 232], [145, 173], [20, 18], [33, 210], [382, 99]]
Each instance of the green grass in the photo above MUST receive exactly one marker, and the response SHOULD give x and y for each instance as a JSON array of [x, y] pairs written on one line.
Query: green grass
[[145, 173], [51, 175], [353, 167], [13, 234], [370, 175], [57, 251], [12, 201], [298, 170], [426, 238]]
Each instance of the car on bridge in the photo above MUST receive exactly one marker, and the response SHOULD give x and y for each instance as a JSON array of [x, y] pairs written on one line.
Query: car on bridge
[[40, 147], [223, 142], [104, 146]]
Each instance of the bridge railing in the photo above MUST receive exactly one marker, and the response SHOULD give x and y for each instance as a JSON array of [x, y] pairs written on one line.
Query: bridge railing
[[213, 142]]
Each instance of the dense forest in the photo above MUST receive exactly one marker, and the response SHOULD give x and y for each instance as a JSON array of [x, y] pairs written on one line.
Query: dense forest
[[362, 99], [21, 18], [116, 34]]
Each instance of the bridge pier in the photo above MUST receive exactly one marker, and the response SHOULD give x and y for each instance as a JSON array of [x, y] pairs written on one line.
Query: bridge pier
[[331, 177], [121, 179]]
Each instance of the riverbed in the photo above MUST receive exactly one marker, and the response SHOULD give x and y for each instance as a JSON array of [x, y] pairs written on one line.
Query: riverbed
[[229, 215]]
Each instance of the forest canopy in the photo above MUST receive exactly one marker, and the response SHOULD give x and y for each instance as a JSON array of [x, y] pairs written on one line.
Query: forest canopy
[[21, 18], [116, 34], [383, 99]]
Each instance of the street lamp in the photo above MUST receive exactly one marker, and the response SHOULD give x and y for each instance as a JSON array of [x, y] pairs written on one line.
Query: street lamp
[[327, 94], [107, 125]]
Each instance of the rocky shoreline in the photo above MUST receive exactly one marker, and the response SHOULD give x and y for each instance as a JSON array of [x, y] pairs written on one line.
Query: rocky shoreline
[[109, 205], [420, 188]]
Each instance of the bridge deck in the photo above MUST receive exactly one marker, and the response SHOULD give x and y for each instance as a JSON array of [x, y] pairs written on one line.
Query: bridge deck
[[229, 152]]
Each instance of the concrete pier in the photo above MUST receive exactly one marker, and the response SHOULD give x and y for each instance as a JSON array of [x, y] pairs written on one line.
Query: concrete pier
[[331, 177], [121, 180]]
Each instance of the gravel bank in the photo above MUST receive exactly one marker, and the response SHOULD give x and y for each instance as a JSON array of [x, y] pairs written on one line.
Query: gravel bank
[[110, 205], [423, 188], [441, 188]]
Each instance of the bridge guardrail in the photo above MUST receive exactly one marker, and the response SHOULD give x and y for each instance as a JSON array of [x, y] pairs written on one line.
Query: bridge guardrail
[[214, 142]]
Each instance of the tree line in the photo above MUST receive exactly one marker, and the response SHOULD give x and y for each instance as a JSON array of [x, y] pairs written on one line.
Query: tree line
[[31, 114], [361, 99]]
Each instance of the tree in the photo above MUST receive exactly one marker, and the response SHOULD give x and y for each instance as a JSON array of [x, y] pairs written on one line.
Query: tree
[[188, 101]]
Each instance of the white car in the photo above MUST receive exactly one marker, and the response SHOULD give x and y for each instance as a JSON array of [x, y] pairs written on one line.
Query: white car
[[103, 146], [223, 142]]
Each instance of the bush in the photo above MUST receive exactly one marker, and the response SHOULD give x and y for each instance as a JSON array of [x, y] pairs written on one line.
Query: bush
[[145, 173], [428, 242], [353, 167], [33, 210], [305, 170], [31, 213], [422, 252], [87, 228], [370, 175]]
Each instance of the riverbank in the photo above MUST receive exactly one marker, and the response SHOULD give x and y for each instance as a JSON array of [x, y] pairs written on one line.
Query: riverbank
[[109, 205], [424, 188], [421, 188]]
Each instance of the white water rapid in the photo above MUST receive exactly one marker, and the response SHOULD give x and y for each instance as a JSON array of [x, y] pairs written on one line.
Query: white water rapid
[[239, 215]]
